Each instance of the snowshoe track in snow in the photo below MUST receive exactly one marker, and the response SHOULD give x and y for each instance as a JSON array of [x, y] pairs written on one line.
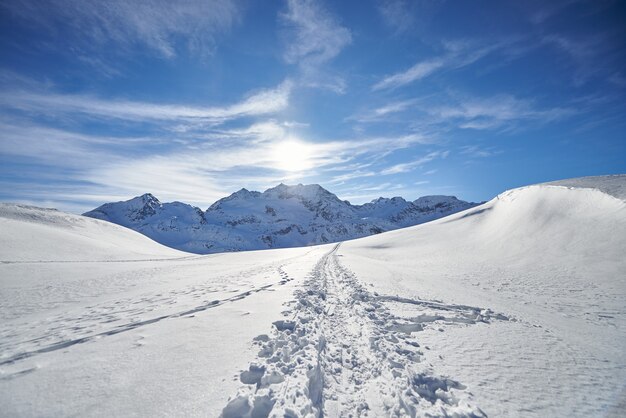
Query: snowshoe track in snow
[[341, 352]]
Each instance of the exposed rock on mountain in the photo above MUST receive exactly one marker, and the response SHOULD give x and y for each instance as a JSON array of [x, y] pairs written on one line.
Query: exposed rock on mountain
[[283, 216]]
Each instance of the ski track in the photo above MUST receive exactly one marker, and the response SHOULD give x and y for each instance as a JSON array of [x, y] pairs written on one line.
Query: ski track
[[341, 352]]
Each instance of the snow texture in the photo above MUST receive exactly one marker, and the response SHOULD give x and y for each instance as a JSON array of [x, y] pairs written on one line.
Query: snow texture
[[613, 185], [513, 308]]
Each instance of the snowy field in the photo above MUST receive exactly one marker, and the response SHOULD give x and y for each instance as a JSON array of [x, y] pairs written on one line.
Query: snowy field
[[513, 308]]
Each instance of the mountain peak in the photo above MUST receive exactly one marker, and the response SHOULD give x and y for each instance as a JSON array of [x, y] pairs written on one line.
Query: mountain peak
[[149, 197], [384, 200], [243, 193], [145, 205], [436, 200], [305, 191]]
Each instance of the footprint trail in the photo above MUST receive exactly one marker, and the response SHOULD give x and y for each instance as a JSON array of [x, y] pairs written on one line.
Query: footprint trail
[[342, 352]]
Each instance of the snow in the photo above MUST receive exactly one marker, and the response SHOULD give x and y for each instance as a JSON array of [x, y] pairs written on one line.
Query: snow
[[614, 185], [100, 337], [552, 258], [38, 234], [281, 217], [512, 308]]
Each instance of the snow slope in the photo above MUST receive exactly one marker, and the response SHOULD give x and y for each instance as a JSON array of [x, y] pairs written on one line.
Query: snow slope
[[549, 256], [513, 308], [85, 332], [280, 217], [37, 234]]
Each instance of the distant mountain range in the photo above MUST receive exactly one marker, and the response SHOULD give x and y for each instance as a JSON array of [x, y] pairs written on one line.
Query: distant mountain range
[[280, 217]]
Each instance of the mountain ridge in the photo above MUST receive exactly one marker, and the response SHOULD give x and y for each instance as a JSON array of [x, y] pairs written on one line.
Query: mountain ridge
[[280, 217]]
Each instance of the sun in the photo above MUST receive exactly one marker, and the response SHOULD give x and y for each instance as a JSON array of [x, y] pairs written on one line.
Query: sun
[[292, 155]]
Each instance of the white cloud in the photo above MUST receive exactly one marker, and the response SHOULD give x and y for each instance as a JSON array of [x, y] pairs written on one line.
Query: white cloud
[[397, 14], [156, 24], [410, 166], [408, 16], [393, 107], [366, 192], [58, 147], [314, 37], [416, 72], [474, 151], [457, 54], [380, 187], [351, 176], [496, 112], [197, 170], [433, 115], [590, 55], [383, 112], [549, 9], [259, 103], [206, 174]]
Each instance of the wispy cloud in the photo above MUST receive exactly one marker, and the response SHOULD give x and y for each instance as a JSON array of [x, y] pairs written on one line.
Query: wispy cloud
[[317, 36], [435, 114], [361, 193], [393, 107], [496, 112], [416, 72], [251, 164], [591, 56], [474, 151], [457, 54], [383, 112], [199, 169], [351, 176], [410, 166], [60, 147], [550, 9], [381, 187], [262, 102], [154, 24], [314, 37], [397, 14], [408, 16]]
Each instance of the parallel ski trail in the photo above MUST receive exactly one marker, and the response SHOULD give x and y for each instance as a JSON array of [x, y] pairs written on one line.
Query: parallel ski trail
[[342, 353]]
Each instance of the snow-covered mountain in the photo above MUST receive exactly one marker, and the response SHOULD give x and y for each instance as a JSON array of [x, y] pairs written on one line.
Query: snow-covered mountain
[[280, 217]]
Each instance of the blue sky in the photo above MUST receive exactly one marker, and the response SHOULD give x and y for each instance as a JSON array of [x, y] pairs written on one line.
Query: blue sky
[[105, 100]]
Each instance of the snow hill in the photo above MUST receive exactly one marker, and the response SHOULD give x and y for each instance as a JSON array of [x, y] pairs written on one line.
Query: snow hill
[[280, 217], [513, 308], [37, 234]]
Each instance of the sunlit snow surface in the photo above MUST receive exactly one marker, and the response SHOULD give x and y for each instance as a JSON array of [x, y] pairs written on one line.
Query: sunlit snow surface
[[512, 308]]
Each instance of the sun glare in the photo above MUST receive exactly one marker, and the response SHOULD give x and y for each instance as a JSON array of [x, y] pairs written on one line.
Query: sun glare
[[292, 156]]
